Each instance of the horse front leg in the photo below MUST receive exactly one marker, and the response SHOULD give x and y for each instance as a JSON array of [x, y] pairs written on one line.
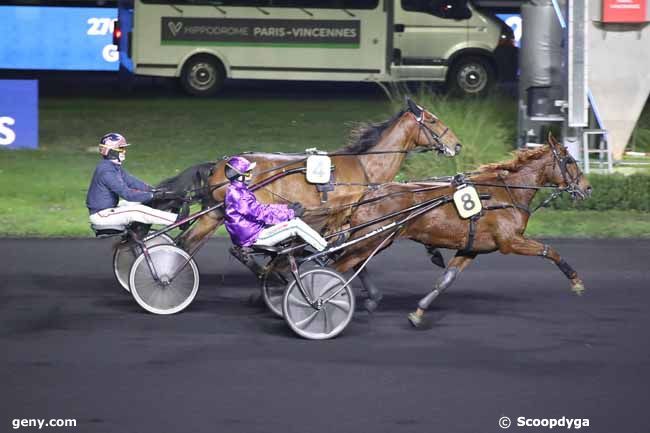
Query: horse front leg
[[204, 227], [454, 268], [529, 247]]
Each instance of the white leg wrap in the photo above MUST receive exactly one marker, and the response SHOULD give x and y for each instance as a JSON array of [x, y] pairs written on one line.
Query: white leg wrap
[[295, 227], [124, 215]]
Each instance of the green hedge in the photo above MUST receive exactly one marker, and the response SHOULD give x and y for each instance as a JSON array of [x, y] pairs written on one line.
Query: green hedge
[[610, 192]]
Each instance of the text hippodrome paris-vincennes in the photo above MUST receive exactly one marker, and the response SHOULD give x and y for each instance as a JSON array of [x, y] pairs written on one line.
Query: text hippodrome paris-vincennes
[[301, 32]]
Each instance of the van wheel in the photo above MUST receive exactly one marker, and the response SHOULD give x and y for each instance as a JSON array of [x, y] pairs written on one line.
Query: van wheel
[[202, 76], [471, 76]]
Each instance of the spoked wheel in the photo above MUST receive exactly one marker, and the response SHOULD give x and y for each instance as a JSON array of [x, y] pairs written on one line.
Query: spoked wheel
[[125, 254], [177, 284], [321, 318], [274, 284]]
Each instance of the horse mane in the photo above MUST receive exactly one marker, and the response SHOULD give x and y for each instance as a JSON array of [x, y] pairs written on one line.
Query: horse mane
[[366, 135], [192, 177], [519, 160]]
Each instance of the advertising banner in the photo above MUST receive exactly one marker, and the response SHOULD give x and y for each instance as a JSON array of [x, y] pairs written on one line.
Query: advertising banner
[[514, 22], [624, 11], [18, 114], [250, 32], [58, 38]]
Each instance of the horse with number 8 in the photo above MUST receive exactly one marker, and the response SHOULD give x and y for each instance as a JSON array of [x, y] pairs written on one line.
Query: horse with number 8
[[506, 191]]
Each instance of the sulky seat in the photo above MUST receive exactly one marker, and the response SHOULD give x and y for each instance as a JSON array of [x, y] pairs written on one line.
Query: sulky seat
[[273, 249], [108, 231]]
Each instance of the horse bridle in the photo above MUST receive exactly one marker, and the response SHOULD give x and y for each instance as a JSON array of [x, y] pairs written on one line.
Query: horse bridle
[[570, 181], [433, 136]]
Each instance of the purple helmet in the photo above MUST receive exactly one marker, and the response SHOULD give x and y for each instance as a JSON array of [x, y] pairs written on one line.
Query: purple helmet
[[111, 141], [238, 166]]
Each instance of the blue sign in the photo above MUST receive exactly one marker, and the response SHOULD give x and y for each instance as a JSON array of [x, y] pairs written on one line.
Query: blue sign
[[18, 114], [514, 22], [62, 38]]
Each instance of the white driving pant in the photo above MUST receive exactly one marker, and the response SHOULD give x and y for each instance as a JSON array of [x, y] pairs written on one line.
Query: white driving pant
[[131, 212], [295, 227]]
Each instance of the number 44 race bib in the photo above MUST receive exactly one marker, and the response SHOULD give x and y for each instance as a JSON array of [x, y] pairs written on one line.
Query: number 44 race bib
[[467, 201]]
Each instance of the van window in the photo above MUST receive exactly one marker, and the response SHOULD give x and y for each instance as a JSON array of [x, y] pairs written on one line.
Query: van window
[[455, 9], [326, 4], [304, 4], [252, 3]]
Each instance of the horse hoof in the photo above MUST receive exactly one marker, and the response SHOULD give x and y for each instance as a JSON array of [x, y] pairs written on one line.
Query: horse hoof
[[415, 320], [577, 287], [370, 305], [437, 259]]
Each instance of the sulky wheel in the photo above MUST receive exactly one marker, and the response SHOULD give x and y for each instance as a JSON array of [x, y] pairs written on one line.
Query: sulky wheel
[[274, 283], [125, 254], [319, 319], [176, 286]]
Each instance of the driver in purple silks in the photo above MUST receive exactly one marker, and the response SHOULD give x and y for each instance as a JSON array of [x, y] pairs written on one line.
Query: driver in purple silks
[[250, 222]]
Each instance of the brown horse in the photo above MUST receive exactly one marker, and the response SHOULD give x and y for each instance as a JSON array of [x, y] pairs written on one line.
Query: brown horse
[[511, 187], [375, 155]]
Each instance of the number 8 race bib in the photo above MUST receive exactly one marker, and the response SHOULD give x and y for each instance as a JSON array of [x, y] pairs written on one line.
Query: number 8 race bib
[[467, 201]]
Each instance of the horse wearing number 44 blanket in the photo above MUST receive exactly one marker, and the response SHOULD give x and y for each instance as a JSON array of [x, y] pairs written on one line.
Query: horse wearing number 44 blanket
[[505, 191]]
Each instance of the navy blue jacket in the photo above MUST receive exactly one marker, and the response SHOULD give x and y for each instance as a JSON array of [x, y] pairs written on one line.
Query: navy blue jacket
[[110, 182]]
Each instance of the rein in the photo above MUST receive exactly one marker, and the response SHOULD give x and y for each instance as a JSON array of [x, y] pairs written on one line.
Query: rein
[[435, 143], [336, 153], [557, 191]]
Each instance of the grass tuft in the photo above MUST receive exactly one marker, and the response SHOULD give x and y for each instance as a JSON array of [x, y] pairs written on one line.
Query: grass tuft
[[485, 127]]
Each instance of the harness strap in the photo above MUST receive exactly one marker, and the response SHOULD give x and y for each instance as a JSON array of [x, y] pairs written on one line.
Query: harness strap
[[512, 197], [335, 153], [508, 206], [371, 185], [471, 235], [326, 187], [277, 167]]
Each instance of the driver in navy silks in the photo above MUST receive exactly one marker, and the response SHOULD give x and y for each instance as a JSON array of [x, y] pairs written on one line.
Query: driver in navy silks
[[111, 182]]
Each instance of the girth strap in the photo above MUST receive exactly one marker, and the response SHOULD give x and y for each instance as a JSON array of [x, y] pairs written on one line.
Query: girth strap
[[471, 235], [472, 225], [326, 187]]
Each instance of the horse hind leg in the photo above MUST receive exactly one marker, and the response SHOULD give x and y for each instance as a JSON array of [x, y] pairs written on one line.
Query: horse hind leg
[[436, 257], [374, 294], [456, 266], [190, 241]]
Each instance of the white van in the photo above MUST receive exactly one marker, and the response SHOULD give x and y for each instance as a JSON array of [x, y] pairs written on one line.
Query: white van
[[203, 42]]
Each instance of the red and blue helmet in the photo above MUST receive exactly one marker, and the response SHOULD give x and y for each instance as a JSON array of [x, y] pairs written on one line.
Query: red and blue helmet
[[111, 142]]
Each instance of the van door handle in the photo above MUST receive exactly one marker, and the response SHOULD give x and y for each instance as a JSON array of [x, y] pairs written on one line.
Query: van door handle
[[398, 28]]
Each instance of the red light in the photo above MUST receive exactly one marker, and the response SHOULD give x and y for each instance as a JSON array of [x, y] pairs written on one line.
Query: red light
[[118, 33]]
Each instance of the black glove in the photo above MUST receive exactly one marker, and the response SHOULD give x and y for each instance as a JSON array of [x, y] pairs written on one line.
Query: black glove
[[163, 194], [297, 208]]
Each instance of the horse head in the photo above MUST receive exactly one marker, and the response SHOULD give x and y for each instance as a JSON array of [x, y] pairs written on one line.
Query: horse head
[[432, 133], [565, 172], [190, 183]]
